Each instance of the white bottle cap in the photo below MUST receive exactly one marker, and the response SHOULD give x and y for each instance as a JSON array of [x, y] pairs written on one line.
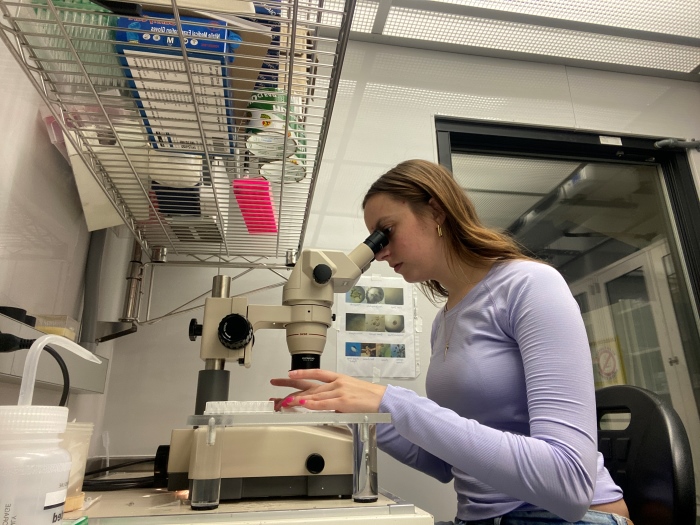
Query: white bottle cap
[[26, 418], [33, 419]]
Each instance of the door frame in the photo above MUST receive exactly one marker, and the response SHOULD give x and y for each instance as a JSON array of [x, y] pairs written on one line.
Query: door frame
[[474, 136]]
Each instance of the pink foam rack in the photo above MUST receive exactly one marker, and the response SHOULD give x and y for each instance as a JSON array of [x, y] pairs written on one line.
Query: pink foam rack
[[254, 199]]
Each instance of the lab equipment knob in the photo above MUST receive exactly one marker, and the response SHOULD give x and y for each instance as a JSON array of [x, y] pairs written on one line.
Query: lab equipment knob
[[195, 330], [235, 331], [322, 273]]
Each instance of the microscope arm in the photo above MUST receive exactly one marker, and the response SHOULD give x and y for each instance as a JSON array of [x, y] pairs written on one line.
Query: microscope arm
[[305, 313]]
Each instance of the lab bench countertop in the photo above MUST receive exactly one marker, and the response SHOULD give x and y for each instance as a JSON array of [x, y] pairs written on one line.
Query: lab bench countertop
[[160, 507]]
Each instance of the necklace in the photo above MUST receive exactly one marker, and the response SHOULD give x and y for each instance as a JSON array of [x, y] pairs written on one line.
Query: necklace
[[448, 338]]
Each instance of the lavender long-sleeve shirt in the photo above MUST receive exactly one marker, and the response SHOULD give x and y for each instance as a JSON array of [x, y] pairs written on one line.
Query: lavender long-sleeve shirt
[[510, 412]]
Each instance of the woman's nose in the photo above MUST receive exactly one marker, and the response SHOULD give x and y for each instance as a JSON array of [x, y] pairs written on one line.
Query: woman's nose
[[382, 254]]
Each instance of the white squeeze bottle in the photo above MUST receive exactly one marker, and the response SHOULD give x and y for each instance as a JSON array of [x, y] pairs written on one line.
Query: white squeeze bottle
[[34, 470]]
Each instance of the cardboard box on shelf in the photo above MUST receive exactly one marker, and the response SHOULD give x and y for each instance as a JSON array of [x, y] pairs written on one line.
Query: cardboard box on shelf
[[255, 42], [151, 52], [302, 82], [58, 324], [97, 207], [302, 43], [218, 47], [185, 6], [302, 78]]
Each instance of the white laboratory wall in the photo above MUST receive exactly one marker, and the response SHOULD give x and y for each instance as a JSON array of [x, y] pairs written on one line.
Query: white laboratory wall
[[43, 237], [386, 103]]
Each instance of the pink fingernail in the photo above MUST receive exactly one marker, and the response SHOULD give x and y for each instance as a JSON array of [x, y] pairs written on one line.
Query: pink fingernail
[[286, 401], [302, 401]]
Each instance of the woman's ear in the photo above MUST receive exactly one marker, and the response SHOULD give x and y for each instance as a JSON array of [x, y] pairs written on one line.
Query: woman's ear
[[438, 213]]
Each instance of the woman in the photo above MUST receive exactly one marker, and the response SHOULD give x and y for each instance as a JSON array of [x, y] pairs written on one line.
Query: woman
[[510, 408]]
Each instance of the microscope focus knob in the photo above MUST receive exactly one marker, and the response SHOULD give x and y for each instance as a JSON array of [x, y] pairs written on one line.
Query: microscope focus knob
[[235, 331], [322, 273], [195, 330]]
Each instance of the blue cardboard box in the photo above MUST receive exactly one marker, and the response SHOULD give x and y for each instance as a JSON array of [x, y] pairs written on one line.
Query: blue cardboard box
[[151, 52]]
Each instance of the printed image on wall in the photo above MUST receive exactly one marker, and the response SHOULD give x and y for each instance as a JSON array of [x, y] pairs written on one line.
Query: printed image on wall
[[374, 295], [376, 329], [356, 349], [374, 323]]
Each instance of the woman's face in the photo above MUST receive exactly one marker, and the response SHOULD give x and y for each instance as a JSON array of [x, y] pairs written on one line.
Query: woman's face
[[414, 250]]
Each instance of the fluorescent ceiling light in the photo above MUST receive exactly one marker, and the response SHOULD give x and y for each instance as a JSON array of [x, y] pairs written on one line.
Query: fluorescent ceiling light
[[538, 40], [362, 20], [674, 17]]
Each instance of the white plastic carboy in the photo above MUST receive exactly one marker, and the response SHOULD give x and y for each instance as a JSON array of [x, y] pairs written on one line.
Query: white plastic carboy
[[34, 470]]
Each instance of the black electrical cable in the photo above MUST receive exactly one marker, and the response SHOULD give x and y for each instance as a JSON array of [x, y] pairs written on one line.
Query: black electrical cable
[[103, 485], [107, 484], [11, 343], [120, 465], [64, 371]]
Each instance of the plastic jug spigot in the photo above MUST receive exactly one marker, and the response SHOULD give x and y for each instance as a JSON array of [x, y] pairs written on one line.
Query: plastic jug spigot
[[26, 389]]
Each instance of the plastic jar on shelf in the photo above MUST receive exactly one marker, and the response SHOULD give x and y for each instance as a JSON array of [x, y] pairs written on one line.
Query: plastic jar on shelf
[[293, 170], [266, 126], [76, 440], [34, 469]]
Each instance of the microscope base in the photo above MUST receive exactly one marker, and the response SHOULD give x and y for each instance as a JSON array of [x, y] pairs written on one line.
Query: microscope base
[[266, 461], [274, 487]]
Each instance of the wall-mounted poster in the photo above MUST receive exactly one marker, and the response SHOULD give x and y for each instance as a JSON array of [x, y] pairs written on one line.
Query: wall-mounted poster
[[608, 366], [376, 335]]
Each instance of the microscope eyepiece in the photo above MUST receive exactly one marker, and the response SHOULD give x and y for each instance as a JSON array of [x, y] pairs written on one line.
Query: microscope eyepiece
[[377, 241]]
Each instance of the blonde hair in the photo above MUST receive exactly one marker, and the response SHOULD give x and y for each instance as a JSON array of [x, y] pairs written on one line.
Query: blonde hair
[[465, 236]]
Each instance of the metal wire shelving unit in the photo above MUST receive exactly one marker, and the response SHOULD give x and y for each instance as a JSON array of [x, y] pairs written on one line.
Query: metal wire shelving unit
[[203, 127]]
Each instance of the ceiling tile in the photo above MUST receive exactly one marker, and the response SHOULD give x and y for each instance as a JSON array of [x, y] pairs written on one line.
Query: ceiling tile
[[539, 40], [674, 17]]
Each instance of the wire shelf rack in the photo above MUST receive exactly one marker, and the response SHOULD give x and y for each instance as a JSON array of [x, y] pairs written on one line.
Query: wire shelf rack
[[202, 121]]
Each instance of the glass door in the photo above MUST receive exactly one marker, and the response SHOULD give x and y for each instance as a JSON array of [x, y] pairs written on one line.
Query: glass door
[[638, 340], [605, 229], [630, 296], [620, 223], [636, 298], [606, 356]]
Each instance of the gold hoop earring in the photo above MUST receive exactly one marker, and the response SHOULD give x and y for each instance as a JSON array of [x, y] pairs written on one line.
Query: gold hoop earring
[[439, 229]]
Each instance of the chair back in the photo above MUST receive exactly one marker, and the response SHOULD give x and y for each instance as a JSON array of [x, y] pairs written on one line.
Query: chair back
[[650, 459]]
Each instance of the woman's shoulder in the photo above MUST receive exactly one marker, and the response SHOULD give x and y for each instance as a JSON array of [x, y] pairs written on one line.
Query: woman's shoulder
[[520, 286], [524, 269], [523, 275]]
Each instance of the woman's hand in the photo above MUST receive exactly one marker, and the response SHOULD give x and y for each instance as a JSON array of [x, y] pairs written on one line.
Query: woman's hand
[[331, 391], [300, 385]]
